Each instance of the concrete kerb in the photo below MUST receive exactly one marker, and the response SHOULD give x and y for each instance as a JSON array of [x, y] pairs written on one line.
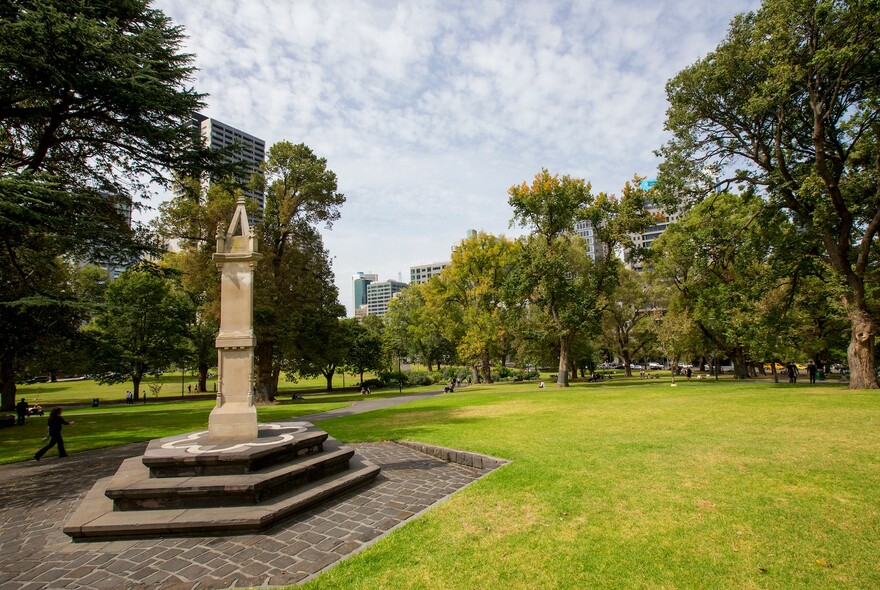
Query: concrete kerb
[[465, 458], [488, 464]]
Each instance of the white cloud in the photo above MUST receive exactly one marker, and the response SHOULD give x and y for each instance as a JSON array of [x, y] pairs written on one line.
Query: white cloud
[[429, 110]]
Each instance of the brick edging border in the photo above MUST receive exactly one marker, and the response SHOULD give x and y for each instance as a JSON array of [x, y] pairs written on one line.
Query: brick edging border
[[465, 458]]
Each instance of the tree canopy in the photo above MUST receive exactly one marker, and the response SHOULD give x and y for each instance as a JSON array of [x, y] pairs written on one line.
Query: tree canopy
[[295, 298], [96, 103], [788, 105], [142, 327]]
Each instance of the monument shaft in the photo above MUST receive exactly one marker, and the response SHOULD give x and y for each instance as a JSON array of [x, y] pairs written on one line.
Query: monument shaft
[[235, 416]]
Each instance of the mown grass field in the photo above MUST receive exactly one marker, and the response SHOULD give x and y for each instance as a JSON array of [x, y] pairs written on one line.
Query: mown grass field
[[114, 423], [174, 387], [95, 428], [637, 485]]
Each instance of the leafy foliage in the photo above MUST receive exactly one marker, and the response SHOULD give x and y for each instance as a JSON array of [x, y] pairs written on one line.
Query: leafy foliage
[[787, 106], [142, 328], [295, 299], [95, 102]]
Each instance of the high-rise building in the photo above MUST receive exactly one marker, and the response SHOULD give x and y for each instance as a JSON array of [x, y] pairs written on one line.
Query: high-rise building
[[380, 293], [421, 273], [646, 238], [594, 247], [360, 281], [252, 149]]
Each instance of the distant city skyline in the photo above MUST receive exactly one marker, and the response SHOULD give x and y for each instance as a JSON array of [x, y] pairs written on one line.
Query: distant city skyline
[[429, 112]]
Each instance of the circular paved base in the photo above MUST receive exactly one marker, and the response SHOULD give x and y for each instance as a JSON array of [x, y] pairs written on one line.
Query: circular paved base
[[39, 497]]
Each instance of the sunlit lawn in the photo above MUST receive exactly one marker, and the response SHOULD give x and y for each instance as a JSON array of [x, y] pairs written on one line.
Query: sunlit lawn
[[174, 386], [111, 426], [638, 485], [117, 423]]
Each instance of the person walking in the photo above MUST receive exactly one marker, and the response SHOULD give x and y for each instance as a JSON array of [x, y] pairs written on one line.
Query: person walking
[[811, 369], [55, 422], [21, 409]]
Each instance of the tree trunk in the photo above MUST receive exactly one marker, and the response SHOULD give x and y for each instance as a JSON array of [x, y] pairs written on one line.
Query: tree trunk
[[203, 378], [7, 383], [266, 383], [627, 365], [474, 376], [328, 375], [485, 367], [861, 351], [276, 375], [564, 351], [740, 366], [136, 382], [362, 377]]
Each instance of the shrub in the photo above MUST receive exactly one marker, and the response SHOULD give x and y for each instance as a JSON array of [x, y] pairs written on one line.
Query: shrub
[[372, 383], [420, 378], [392, 378]]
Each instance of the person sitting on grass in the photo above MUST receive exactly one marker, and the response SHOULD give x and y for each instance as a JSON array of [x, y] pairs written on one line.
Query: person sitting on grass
[[55, 422]]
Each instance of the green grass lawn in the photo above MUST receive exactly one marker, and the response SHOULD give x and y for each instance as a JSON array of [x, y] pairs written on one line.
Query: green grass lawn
[[174, 386], [638, 485], [108, 426], [117, 423]]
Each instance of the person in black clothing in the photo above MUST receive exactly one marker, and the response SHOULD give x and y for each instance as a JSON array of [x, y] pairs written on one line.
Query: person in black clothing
[[811, 369], [56, 422], [21, 408]]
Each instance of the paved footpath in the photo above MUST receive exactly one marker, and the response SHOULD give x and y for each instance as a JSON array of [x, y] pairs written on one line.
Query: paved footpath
[[39, 497]]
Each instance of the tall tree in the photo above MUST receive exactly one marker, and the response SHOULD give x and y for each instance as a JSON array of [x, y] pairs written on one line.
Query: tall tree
[[191, 218], [787, 104], [294, 274], [365, 350], [628, 323], [554, 271], [142, 328], [300, 317], [95, 102], [474, 283], [728, 260], [419, 330]]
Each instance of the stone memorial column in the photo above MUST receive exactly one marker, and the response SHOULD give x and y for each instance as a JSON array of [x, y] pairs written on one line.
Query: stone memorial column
[[235, 416]]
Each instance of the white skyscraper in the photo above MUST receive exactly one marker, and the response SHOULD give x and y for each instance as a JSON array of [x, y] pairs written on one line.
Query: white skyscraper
[[253, 149]]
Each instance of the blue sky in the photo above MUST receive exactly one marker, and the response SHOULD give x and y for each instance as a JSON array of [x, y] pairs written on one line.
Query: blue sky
[[429, 111]]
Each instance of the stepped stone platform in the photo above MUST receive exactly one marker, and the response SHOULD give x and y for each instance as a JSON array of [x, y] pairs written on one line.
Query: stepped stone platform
[[188, 485]]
